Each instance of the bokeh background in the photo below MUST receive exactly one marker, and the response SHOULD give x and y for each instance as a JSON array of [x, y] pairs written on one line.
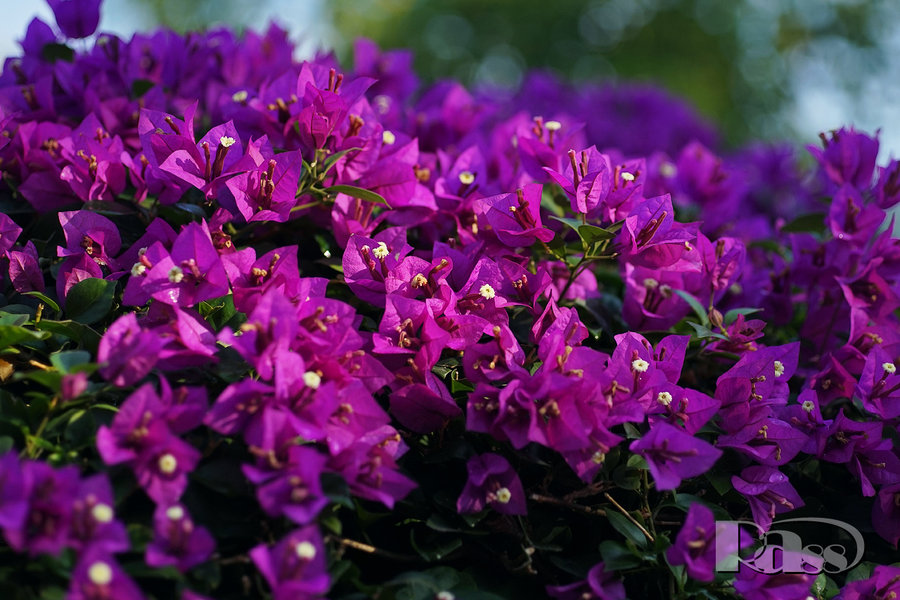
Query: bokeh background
[[759, 69]]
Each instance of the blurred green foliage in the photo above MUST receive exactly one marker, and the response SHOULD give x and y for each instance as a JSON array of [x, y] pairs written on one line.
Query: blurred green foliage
[[743, 63]]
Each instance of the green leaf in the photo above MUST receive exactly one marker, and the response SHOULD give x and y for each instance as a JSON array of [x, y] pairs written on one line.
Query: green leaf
[[139, 87], [73, 330], [331, 160], [90, 300], [45, 299], [66, 360], [218, 312], [705, 332], [592, 233], [617, 557], [624, 526], [436, 548], [697, 307], [53, 52], [812, 222], [12, 335], [357, 192], [732, 315]]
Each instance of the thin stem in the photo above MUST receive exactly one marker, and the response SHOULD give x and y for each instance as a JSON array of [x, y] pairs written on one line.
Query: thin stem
[[630, 518]]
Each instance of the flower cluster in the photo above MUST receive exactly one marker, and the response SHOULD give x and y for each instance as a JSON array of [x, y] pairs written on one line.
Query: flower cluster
[[295, 304]]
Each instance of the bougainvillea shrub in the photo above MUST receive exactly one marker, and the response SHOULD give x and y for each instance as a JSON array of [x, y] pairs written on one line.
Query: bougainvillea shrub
[[284, 329]]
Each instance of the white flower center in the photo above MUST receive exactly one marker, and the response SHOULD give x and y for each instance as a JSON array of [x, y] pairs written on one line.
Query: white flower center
[[651, 283], [486, 292], [382, 103], [779, 368], [889, 368], [640, 365], [138, 269], [418, 281], [808, 406], [381, 250], [388, 137], [100, 573], [167, 464], [467, 178], [504, 495], [664, 398], [305, 551], [552, 125], [598, 457], [176, 275], [627, 176], [175, 513], [312, 380], [226, 141], [667, 169], [240, 96], [102, 513]]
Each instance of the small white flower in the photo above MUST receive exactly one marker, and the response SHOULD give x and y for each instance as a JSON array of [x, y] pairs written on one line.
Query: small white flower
[[388, 137], [889, 368], [138, 269], [598, 457], [167, 464], [381, 250], [102, 513], [305, 550], [418, 281], [504, 495], [651, 283], [226, 141], [640, 365], [627, 176], [175, 513], [382, 103], [100, 573], [176, 275], [552, 125], [779, 368], [467, 178], [312, 380], [664, 398], [240, 96], [486, 292], [808, 406]]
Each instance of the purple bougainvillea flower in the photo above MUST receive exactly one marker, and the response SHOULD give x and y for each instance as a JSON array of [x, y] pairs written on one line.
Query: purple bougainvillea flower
[[599, 585], [76, 18], [127, 351], [586, 180], [848, 158], [516, 218], [884, 583], [673, 455], [681, 406], [45, 530], [753, 585], [886, 513], [9, 233], [177, 540], [294, 489], [695, 546], [296, 566], [15, 490], [769, 491], [492, 482], [25, 270], [97, 575], [93, 523]]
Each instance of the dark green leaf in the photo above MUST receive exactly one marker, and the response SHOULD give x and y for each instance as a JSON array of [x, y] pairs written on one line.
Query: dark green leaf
[[45, 299], [813, 222], [73, 330], [624, 526], [705, 332], [617, 557], [357, 192], [697, 307], [11, 335], [139, 87], [54, 52], [331, 160], [66, 360], [90, 300], [732, 315]]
